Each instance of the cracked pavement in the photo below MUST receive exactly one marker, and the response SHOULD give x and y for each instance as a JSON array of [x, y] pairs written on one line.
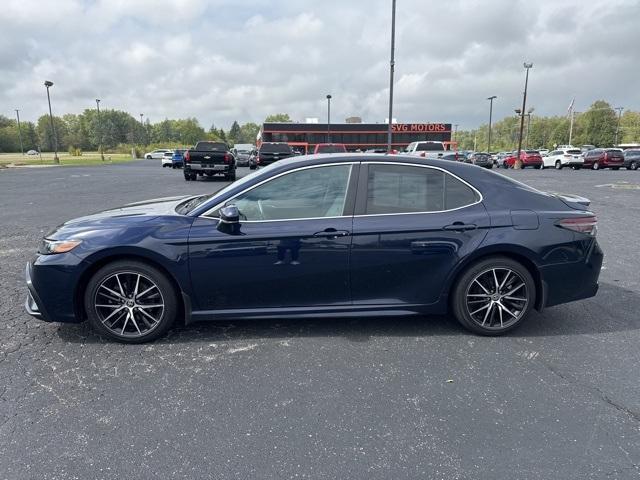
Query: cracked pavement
[[368, 398]]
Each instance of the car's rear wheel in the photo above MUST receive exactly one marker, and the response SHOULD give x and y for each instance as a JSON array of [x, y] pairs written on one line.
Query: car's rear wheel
[[493, 296], [596, 166], [187, 176], [130, 302], [633, 166], [558, 165], [148, 157]]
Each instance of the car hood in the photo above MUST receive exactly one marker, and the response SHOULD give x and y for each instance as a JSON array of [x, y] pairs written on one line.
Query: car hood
[[126, 215]]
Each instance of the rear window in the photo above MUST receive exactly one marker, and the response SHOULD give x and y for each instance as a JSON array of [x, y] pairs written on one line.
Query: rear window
[[430, 147], [331, 149], [533, 152], [613, 150], [211, 147], [574, 152], [275, 148]]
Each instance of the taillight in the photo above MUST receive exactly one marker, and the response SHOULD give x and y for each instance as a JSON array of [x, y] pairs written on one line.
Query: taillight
[[257, 159], [586, 225], [187, 157], [606, 156], [227, 158]]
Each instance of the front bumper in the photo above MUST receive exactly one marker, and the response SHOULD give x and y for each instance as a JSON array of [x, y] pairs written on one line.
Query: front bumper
[[33, 305]]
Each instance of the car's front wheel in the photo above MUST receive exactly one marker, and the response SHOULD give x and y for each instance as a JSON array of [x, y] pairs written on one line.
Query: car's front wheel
[[130, 302], [558, 165], [148, 157], [596, 166], [633, 166], [493, 296]]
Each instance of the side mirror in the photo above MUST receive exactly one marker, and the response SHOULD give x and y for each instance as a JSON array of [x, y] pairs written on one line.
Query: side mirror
[[230, 214], [229, 220]]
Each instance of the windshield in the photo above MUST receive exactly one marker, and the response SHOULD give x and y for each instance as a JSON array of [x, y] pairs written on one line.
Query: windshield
[[331, 149], [275, 148], [188, 205], [211, 147], [430, 147]]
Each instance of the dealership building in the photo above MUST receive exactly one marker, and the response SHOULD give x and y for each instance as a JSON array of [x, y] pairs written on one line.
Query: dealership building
[[355, 136]]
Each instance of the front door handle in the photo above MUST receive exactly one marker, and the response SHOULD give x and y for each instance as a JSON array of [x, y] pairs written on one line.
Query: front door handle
[[331, 233], [460, 227]]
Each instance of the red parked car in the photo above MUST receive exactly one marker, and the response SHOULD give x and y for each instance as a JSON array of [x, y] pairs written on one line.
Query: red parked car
[[603, 158], [330, 148], [529, 158]]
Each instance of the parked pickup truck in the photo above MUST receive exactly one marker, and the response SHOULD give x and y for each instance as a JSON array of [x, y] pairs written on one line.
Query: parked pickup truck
[[429, 149], [209, 158]]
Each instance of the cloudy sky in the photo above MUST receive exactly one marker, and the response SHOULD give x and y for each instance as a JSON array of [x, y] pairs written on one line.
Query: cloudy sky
[[243, 59]]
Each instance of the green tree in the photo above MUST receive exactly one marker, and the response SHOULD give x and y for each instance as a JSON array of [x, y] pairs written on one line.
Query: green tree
[[45, 135], [278, 118], [234, 132], [248, 133], [599, 124]]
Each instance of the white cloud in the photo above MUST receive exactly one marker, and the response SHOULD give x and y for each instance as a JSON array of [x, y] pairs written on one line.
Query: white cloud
[[224, 60]]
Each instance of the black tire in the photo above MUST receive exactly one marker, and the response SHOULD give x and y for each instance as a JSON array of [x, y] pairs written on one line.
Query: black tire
[[558, 165], [467, 290], [99, 301], [194, 176], [231, 177], [576, 167], [633, 166], [187, 176], [148, 157], [596, 166]]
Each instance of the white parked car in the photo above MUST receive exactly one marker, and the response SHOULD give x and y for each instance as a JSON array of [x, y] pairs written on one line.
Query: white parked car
[[159, 153], [32, 152], [167, 159], [428, 149], [564, 157]]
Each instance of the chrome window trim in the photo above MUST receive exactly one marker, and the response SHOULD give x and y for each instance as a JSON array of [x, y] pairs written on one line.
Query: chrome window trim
[[219, 205], [481, 198]]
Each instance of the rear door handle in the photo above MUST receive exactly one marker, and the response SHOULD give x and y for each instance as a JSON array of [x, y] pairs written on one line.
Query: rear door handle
[[331, 233], [460, 227]]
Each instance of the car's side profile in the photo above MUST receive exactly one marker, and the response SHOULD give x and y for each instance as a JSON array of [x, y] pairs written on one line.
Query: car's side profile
[[156, 154], [326, 235]]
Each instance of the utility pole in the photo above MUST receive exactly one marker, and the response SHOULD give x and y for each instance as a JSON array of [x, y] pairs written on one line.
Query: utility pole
[[392, 65], [571, 126], [518, 162], [144, 133], [99, 130], [19, 131], [491, 99], [529, 113], [619, 109], [455, 132]]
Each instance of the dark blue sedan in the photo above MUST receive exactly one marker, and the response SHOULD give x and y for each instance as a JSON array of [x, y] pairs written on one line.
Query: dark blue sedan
[[319, 236]]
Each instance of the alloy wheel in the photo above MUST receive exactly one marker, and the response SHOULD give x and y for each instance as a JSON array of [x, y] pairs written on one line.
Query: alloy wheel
[[497, 298], [129, 304]]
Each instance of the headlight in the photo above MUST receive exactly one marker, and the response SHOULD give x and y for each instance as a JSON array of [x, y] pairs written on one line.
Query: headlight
[[49, 247]]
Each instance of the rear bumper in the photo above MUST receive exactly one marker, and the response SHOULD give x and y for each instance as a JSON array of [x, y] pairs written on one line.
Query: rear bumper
[[209, 168], [567, 282]]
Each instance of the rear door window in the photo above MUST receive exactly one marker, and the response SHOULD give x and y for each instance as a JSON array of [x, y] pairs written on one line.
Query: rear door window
[[412, 189]]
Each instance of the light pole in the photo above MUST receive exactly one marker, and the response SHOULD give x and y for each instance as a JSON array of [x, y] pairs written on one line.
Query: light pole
[[518, 162], [455, 132], [56, 160], [392, 65], [619, 109], [19, 131], [529, 113], [491, 99], [99, 130], [144, 136], [328, 118]]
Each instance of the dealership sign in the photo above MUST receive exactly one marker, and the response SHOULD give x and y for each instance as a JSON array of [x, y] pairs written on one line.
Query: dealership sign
[[419, 127]]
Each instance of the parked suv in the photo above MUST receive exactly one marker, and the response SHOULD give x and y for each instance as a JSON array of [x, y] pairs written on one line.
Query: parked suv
[[159, 153], [480, 159], [529, 158], [631, 159], [270, 152], [598, 158], [564, 157]]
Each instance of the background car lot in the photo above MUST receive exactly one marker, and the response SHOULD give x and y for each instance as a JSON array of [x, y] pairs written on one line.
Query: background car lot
[[395, 398]]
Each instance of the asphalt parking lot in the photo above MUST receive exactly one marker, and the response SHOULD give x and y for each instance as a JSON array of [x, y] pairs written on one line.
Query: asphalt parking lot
[[372, 398]]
